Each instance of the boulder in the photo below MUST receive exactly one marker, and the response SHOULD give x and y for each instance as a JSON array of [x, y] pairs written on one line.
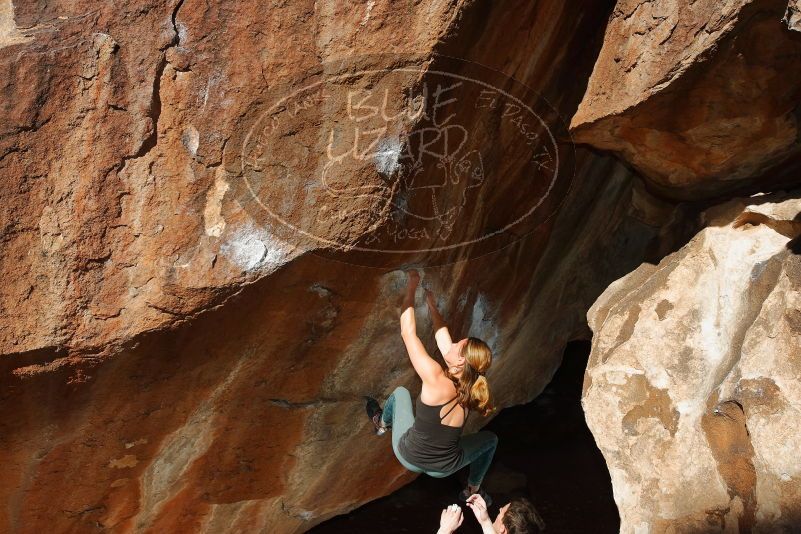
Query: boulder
[[692, 387], [701, 98]]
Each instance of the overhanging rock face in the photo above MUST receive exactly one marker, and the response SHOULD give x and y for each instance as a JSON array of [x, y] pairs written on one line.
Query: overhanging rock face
[[204, 225], [692, 386], [116, 121], [175, 361]]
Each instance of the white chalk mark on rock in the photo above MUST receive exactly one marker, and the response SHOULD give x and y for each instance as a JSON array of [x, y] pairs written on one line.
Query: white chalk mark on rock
[[386, 158], [191, 140], [370, 6], [212, 213], [482, 325], [256, 248], [246, 249]]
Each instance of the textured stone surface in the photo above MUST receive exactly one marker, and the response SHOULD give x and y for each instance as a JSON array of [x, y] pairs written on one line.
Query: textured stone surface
[[793, 15], [700, 97], [115, 119], [692, 387], [169, 364]]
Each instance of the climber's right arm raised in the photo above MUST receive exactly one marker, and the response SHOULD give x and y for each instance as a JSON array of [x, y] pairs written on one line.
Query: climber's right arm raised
[[427, 369]]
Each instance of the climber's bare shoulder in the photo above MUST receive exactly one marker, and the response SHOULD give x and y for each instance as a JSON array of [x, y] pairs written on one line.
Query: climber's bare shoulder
[[439, 391]]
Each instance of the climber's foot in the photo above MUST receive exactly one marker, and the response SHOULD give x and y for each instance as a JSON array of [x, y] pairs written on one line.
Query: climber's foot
[[374, 412]]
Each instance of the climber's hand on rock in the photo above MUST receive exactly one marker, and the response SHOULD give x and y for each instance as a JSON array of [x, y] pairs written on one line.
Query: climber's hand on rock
[[450, 519]]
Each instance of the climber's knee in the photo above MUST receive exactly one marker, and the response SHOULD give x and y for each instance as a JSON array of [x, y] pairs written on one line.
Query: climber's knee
[[401, 392]]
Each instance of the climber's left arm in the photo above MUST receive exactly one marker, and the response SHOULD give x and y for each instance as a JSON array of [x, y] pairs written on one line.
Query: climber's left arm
[[441, 333]]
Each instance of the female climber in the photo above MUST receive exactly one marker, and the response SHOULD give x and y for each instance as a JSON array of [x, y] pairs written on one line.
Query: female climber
[[430, 441]]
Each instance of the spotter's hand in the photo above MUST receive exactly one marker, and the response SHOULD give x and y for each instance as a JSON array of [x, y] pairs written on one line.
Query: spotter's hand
[[479, 507], [450, 519]]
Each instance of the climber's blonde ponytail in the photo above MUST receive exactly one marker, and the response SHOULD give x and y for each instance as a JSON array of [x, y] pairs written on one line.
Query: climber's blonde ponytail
[[480, 396], [472, 385]]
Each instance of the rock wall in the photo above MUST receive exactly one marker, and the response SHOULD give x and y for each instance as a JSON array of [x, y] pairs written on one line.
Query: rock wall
[[175, 360], [116, 120], [702, 98], [692, 386], [170, 362]]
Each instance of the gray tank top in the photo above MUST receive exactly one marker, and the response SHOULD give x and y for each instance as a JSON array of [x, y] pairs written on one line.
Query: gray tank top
[[429, 443]]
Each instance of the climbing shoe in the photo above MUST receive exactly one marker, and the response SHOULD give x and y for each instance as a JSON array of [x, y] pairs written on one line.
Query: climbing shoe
[[374, 412]]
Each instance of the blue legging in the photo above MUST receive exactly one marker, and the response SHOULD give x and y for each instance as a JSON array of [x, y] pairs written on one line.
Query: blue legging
[[478, 449]]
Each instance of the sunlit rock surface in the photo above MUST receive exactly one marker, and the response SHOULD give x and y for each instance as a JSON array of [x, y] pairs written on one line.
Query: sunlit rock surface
[[116, 120], [700, 97], [692, 388]]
